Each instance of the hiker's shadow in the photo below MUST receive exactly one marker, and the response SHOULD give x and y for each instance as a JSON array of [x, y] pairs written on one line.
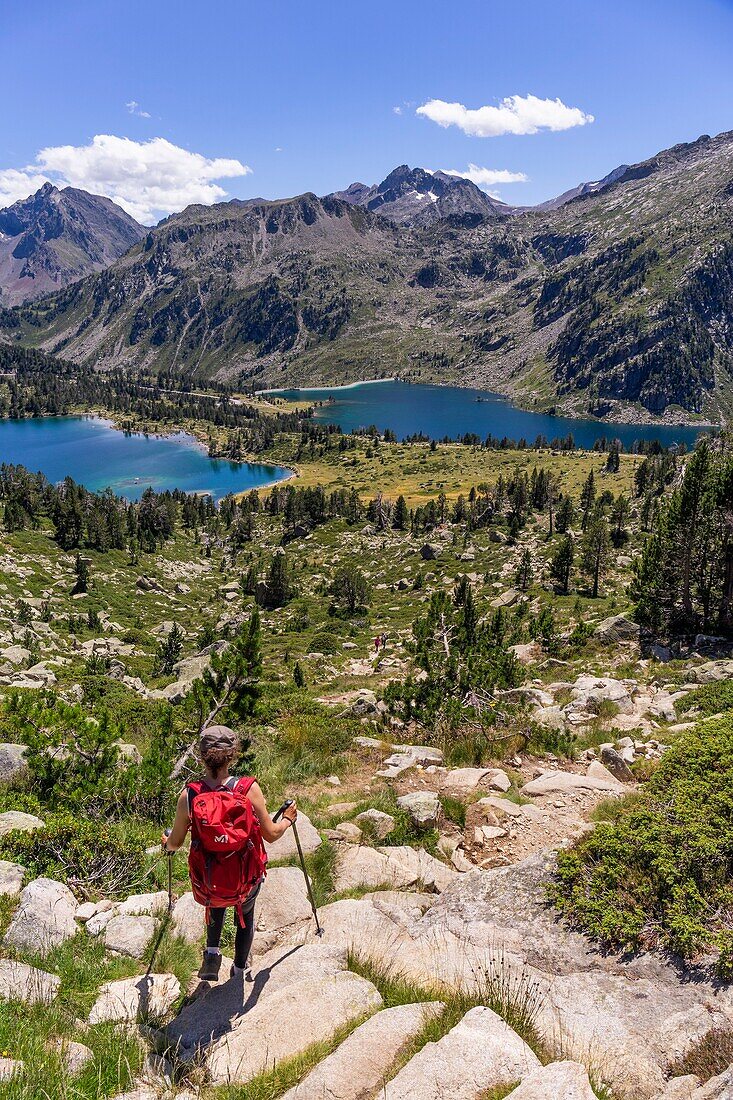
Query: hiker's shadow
[[263, 977], [211, 1011]]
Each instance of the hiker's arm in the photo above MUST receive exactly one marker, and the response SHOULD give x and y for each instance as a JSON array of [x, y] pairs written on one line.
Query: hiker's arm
[[180, 826], [271, 830]]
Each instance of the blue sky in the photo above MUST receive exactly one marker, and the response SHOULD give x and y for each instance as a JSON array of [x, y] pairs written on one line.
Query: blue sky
[[304, 94]]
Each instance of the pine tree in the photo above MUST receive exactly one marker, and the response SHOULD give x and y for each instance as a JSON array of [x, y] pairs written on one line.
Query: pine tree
[[82, 573], [619, 517], [683, 580], [279, 586], [525, 573], [298, 675], [229, 689], [596, 549], [350, 590], [401, 514], [561, 563], [565, 514], [169, 650]]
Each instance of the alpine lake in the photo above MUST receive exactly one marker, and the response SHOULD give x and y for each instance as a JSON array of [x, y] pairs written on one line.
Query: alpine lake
[[97, 455]]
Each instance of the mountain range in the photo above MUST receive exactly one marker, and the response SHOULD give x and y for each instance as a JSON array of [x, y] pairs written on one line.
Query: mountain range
[[615, 299]]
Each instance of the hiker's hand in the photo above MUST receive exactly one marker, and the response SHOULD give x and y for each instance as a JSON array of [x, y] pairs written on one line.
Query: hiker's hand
[[164, 840], [291, 813]]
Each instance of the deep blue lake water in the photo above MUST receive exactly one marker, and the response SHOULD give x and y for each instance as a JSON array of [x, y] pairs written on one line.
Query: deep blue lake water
[[98, 456], [439, 411]]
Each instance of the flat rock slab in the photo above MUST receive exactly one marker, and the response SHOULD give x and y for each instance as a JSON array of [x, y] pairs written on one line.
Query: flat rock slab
[[129, 935], [13, 820], [217, 1008], [19, 982], [628, 1019], [463, 780], [559, 1080], [480, 1053], [44, 918], [558, 782], [132, 999], [422, 806], [282, 903], [285, 847], [359, 1068], [11, 878], [378, 823], [400, 867], [313, 1009]]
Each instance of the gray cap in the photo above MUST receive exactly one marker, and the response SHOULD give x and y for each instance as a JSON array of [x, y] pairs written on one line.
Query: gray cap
[[218, 737]]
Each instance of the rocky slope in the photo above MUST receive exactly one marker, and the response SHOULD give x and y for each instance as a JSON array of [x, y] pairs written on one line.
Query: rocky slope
[[56, 237], [617, 303]]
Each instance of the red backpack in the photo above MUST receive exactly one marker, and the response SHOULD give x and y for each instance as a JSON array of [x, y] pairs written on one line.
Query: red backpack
[[227, 857]]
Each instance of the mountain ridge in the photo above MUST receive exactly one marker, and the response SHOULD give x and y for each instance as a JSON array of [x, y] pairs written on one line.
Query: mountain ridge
[[618, 303]]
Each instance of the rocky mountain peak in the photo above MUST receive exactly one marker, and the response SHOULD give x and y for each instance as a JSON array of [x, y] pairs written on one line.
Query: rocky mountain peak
[[57, 236], [417, 196]]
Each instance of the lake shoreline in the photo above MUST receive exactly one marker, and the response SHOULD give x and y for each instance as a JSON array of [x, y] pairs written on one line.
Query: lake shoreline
[[182, 436], [447, 412], [628, 416]]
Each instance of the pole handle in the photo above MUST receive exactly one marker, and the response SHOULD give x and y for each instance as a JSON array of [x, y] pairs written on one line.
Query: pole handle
[[285, 806]]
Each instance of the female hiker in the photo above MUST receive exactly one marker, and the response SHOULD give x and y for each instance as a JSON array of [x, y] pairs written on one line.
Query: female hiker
[[228, 820]]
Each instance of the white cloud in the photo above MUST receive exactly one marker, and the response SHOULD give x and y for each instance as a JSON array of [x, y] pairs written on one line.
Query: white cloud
[[149, 179], [515, 115], [18, 183], [134, 108], [397, 110], [487, 177]]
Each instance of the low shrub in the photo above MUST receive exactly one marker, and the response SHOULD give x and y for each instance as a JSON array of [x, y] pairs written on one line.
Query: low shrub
[[708, 699], [659, 873], [93, 858]]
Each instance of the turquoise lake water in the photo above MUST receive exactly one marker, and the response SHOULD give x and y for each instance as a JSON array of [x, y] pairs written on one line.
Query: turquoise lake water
[[98, 456], [439, 411]]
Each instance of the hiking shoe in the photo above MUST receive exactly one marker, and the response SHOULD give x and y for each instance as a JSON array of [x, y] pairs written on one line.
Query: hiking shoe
[[210, 967], [246, 973]]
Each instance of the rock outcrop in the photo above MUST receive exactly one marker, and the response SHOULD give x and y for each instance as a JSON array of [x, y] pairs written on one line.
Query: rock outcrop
[[480, 1053], [44, 918]]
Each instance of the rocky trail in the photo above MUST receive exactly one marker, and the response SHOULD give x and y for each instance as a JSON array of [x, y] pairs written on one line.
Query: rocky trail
[[441, 977]]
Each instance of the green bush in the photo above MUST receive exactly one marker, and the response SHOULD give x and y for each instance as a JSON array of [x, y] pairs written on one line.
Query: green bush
[[324, 642], [659, 873], [708, 699], [95, 859]]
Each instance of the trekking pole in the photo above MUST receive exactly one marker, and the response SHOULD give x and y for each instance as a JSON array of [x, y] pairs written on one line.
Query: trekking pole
[[309, 888], [164, 925]]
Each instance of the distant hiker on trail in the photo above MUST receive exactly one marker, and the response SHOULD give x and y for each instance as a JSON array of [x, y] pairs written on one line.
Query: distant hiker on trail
[[377, 643], [228, 820], [384, 641]]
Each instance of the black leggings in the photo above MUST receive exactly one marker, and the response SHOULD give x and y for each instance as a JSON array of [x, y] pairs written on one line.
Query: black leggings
[[245, 930]]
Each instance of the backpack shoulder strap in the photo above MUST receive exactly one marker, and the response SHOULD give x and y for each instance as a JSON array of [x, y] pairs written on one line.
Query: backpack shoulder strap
[[243, 785], [193, 788]]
